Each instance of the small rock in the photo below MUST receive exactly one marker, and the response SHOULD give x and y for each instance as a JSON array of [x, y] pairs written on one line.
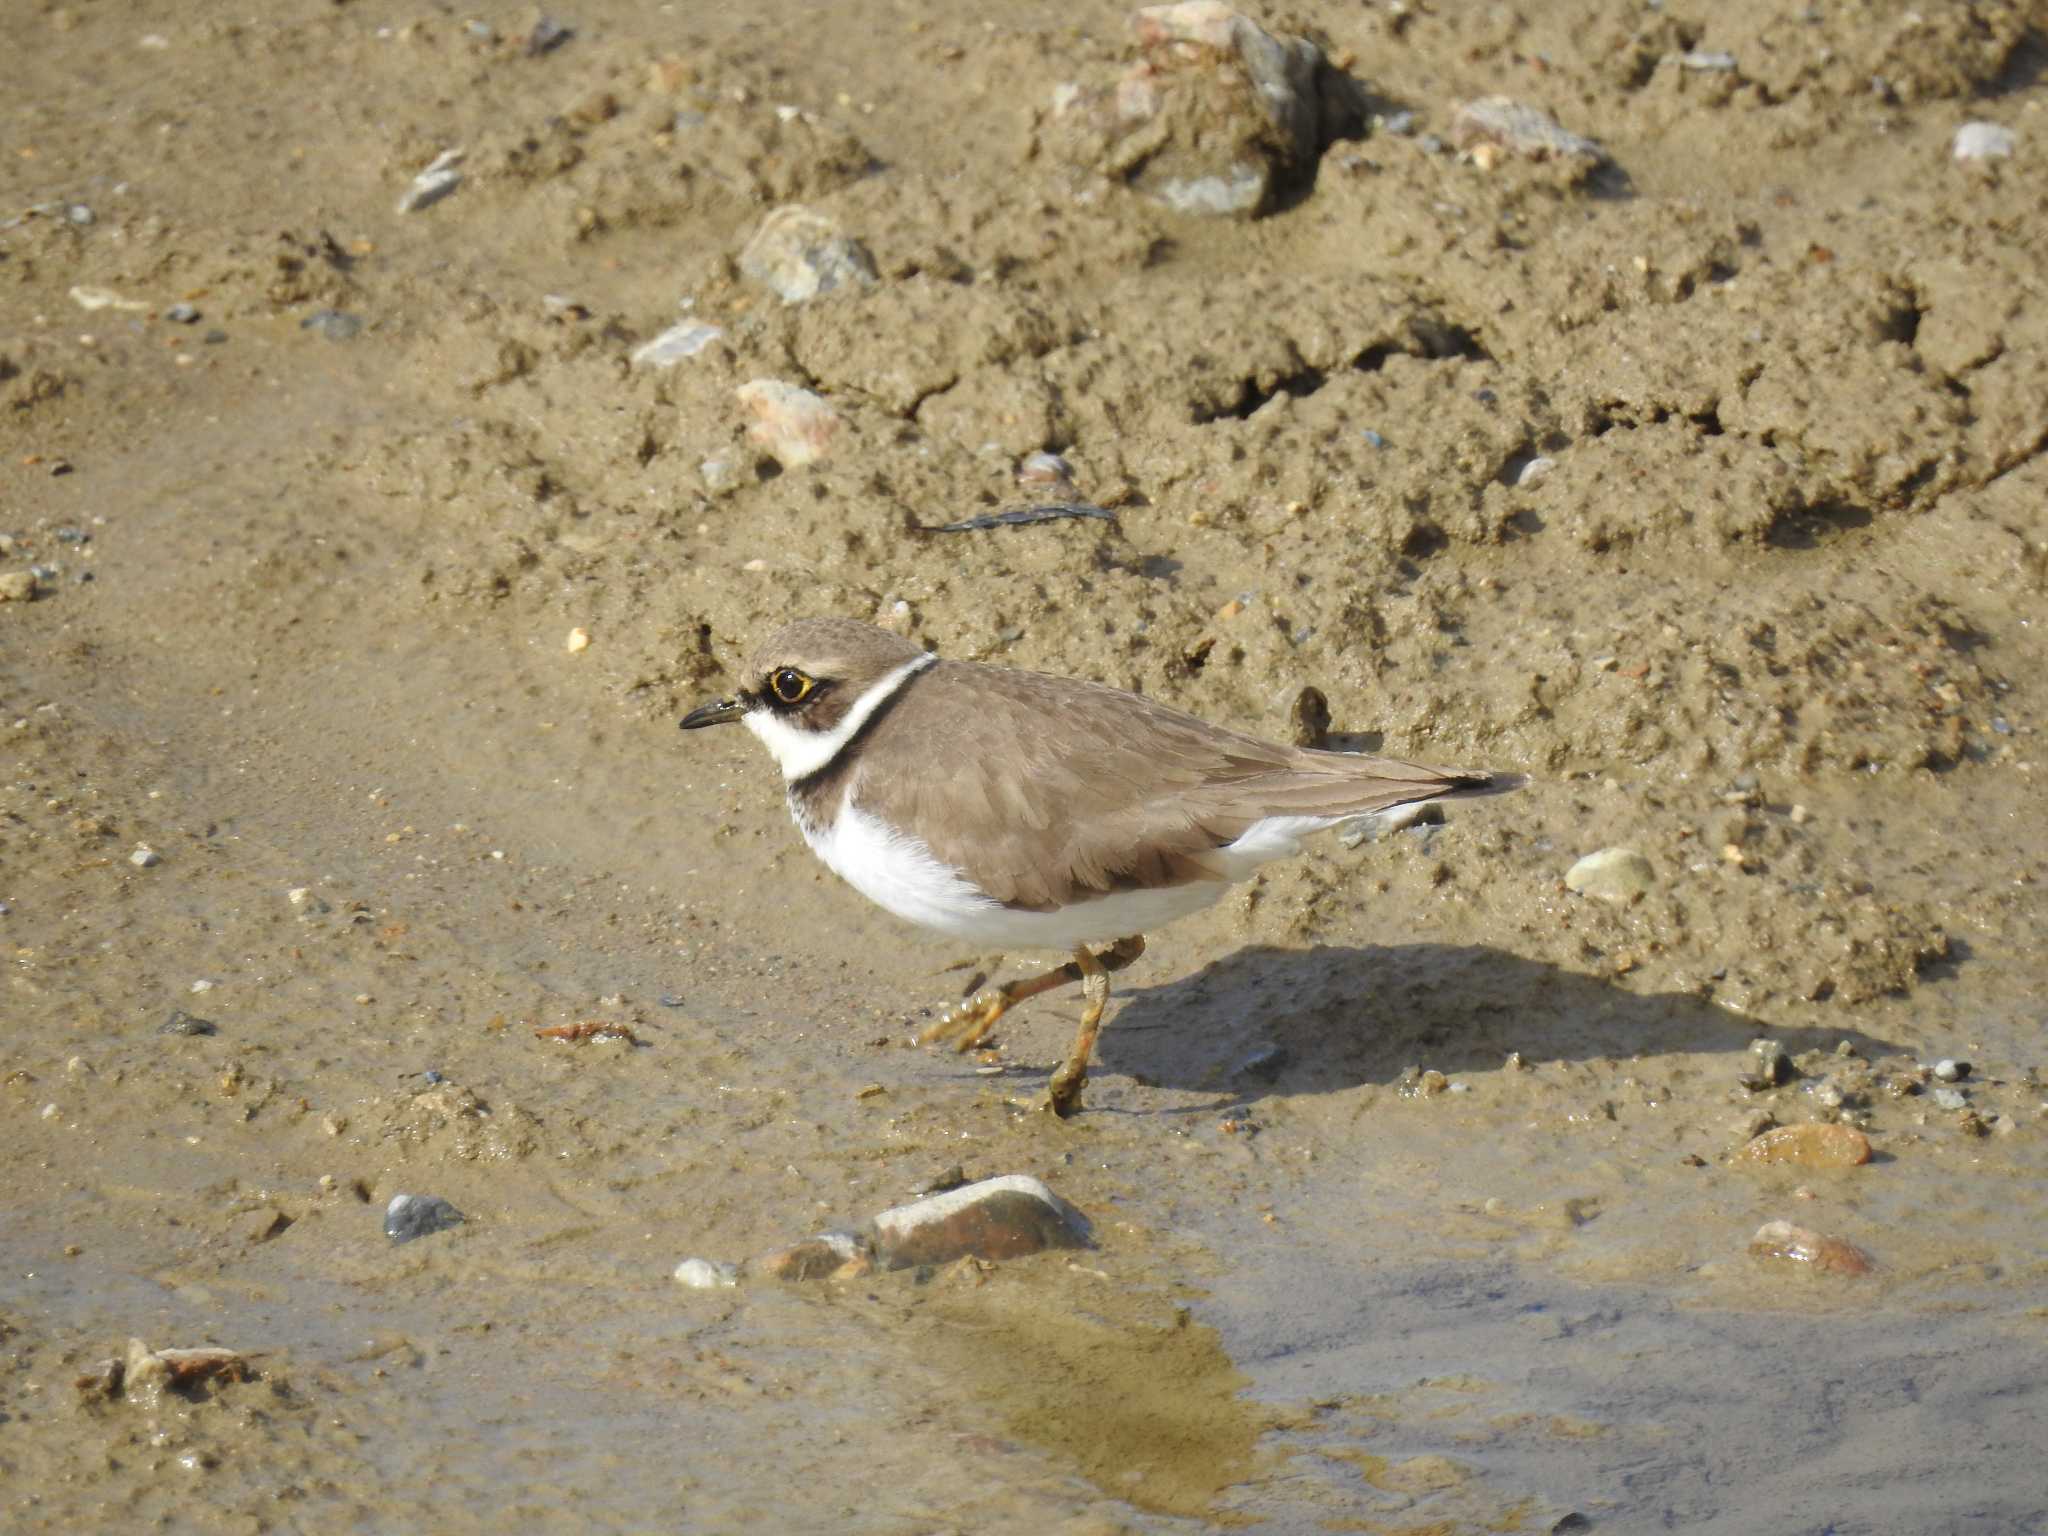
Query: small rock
[[828, 1256], [81, 215], [720, 474], [1619, 875], [1810, 1146], [1308, 717], [1951, 1098], [793, 424], [145, 857], [1214, 116], [1516, 129], [441, 177], [1767, 1065], [1984, 141], [411, 1216], [1828, 1255], [547, 35], [1045, 471], [1701, 60], [679, 341], [182, 314], [579, 640], [800, 254], [1949, 1070], [1529, 471], [707, 1274], [334, 324], [147, 1372], [182, 1023], [1000, 1218], [18, 586]]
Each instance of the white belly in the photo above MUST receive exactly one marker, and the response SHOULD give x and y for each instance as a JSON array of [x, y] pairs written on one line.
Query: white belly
[[899, 874]]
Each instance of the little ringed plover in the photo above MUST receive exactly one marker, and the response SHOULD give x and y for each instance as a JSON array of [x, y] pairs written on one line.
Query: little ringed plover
[[1020, 810]]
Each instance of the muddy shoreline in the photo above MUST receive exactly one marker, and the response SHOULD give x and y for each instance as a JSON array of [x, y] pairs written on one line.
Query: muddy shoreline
[[1699, 478]]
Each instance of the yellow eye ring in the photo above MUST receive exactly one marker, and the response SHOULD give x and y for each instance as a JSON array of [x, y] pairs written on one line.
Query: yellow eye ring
[[790, 685]]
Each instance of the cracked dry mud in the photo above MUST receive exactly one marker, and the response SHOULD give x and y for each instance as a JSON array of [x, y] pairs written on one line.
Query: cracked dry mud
[[1415, 1177]]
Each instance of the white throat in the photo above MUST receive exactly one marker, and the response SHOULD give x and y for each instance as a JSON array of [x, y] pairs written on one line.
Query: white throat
[[800, 753]]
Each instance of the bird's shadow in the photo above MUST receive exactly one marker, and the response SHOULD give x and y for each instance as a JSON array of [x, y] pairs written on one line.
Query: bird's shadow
[[1332, 1017]]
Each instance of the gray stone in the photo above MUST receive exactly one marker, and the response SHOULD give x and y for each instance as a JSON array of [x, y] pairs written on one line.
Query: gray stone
[[1518, 129], [182, 1023], [1951, 1098], [800, 254], [411, 1216], [334, 324], [1949, 1070]]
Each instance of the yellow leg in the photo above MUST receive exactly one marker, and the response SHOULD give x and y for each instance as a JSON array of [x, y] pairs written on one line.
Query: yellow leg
[[1063, 1096], [969, 1023]]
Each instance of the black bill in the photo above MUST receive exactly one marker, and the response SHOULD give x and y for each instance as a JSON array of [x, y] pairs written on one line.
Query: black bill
[[717, 712]]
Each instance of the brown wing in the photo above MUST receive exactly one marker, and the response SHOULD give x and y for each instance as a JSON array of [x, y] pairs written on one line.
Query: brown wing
[[1041, 788]]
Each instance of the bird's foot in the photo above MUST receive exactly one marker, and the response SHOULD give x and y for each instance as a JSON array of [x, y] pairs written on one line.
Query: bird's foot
[[966, 1024]]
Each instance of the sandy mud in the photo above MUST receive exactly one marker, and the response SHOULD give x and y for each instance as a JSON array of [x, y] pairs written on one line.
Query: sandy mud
[[371, 513]]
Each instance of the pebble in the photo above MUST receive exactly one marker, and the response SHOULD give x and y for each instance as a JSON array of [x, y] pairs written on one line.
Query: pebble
[[720, 474], [441, 177], [1768, 1065], [1510, 126], [793, 424], [1308, 717], [182, 1023], [145, 857], [81, 215], [707, 1274], [1949, 1070], [828, 1256], [800, 254], [1828, 1255], [679, 341], [1619, 875], [334, 324], [547, 35], [1951, 1098], [411, 1216], [1814, 1145], [1045, 470], [1372, 438], [182, 314], [18, 586], [579, 640], [1706, 62], [1000, 1218], [1532, 470], [1214, 113], [1984, 141]]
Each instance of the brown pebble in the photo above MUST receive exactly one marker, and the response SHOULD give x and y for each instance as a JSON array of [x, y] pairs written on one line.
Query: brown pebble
[[1814, 1145], [1828, 1255], [830, 1255]]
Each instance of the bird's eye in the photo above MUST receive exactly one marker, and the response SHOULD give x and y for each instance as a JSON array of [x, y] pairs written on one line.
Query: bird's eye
[[790, 685]]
